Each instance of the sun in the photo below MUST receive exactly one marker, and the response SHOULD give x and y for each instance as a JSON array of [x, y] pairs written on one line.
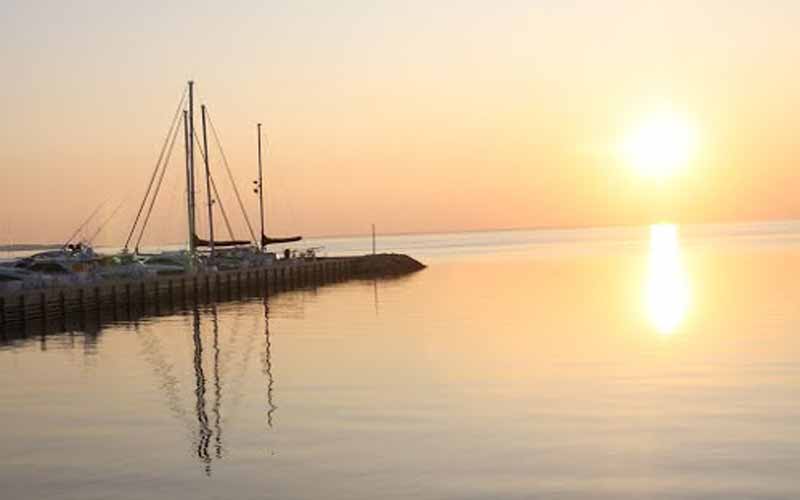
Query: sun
[[660, 145]]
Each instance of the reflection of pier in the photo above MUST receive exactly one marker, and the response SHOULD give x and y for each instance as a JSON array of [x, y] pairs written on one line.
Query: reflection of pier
[[216, 346]]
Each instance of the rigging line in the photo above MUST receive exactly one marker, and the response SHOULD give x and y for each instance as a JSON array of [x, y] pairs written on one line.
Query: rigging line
[[176, 199], [151, 351], [200, 219], [80, 228], [244, 364], [221, 208], [216, 193], [198, 147], [155, 170], [105, 223], [230, 176], [158, 188]]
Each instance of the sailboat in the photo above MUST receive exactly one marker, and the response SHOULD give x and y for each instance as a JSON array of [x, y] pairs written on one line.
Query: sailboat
[[77, 262], [222, 254], [71, 263], [266, 240], [251, 255]]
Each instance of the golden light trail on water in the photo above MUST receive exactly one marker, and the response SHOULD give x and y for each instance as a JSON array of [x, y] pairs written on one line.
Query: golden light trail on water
[[667, 291]]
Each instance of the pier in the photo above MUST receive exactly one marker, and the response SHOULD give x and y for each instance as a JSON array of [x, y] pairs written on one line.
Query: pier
[[129, 298]]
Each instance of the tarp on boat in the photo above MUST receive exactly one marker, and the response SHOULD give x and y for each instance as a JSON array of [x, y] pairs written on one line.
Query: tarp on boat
[[199, 242], [266, 240]]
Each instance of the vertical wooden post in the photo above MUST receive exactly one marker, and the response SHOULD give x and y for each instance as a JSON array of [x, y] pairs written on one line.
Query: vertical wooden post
[[98, 303], [62, 305], [82, 307], [114, 301], [23, 308], [157, 295], [43, 307]]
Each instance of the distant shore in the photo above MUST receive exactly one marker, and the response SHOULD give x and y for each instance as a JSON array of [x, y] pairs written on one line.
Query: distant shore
[[22, 247]]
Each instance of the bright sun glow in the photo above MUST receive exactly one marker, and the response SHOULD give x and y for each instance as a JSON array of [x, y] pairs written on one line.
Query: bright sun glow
[[667, 284], [661, 144]]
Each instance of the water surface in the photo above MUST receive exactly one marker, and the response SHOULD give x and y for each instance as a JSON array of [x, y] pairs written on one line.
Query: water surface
[[605, 363]]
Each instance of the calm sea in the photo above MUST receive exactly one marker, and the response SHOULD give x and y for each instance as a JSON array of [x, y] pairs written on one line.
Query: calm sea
[[658, 362]]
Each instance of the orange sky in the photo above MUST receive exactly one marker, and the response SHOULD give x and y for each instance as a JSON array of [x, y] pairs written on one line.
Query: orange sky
[[457, 116]]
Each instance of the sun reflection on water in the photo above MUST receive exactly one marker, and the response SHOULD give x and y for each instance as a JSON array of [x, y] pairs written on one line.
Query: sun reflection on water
[[668, 291]]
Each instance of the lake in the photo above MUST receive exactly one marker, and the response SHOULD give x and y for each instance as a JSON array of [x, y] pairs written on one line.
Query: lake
[[609, 363]]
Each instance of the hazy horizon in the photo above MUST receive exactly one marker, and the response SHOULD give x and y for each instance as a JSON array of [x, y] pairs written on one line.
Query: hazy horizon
[[688, 227]]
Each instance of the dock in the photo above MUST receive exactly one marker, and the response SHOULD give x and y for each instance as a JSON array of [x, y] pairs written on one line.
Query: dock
[[129, 298]]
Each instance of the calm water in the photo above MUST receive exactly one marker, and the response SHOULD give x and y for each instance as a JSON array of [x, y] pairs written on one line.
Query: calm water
[[608, 363]]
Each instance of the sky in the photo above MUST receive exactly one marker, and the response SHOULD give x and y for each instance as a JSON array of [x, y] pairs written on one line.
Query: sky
[[416, 116]]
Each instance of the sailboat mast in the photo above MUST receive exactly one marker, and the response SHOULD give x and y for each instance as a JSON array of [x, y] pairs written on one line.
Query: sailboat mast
[[190, 184], [188, 180], [208, 181], [260, 189]]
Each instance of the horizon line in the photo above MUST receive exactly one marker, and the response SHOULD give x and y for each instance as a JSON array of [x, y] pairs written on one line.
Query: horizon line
[[465, 231]]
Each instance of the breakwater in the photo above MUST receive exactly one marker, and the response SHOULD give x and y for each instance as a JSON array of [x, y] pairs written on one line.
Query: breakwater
[[134, 298]]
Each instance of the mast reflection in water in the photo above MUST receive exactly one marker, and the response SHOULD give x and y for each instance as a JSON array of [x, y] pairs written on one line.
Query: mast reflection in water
[[668, 290], [267, 365], [210, 430], [203, 430]]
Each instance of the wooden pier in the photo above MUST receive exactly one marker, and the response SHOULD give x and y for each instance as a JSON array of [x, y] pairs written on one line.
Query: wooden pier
[[134, 297]]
